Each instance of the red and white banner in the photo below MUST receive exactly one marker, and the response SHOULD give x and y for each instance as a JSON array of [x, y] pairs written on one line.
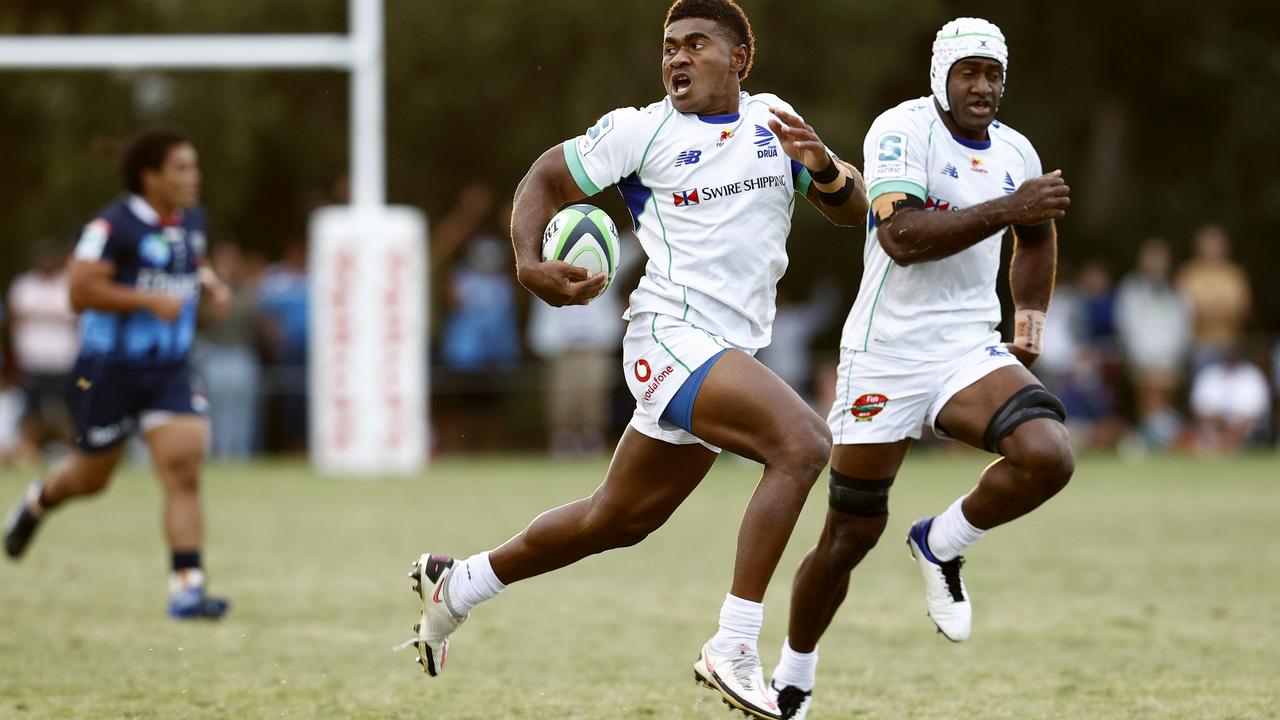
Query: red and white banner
[[368, 348]]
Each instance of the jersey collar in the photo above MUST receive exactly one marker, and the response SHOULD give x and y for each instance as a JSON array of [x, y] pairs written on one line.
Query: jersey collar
[[142, 210]]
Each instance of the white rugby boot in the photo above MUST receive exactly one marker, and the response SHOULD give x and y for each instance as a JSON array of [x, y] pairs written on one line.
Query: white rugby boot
[[739, 678], [430, 575], [944, 590], [793, 703]]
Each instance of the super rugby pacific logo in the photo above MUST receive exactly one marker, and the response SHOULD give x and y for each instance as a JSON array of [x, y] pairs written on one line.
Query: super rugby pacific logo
[[868, 406], [644, 374]]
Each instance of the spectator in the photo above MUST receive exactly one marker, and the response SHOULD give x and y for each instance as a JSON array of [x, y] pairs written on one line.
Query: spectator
[[479, 346], [1064, 333], [480, 327], [1231, 402], [1090, 400], [794, 327], [282, 310], [1155, 334], [1217, 291], [45, 343], [227, 359], [578, 345], [1098, 300]]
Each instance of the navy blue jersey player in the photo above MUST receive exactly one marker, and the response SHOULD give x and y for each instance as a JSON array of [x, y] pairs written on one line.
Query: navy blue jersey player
[[137, 276]]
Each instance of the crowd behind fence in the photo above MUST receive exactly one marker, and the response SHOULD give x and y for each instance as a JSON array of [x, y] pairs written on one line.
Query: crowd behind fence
[[1171, 355]]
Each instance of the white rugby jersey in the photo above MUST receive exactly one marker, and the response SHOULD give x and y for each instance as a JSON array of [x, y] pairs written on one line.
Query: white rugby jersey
[[934, 309], [711, 198]]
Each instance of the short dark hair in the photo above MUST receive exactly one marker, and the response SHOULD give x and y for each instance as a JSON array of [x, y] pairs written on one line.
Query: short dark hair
[[727, 14], [148, 151]]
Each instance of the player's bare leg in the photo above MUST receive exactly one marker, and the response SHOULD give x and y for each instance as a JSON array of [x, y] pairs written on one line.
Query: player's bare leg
[[646, 481], [745, 408], [1007, 411], [1037, 460], [822, 579], [178, 449], [76, 475]]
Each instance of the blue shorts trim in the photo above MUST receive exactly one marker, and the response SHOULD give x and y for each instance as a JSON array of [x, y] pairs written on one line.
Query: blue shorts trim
[[679, 410]]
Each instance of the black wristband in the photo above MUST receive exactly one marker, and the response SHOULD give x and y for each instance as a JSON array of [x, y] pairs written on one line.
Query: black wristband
[[840, 196], [827, 174]]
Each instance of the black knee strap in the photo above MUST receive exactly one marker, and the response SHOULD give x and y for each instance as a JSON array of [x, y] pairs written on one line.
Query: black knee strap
[[1029, 403], [862, 498]]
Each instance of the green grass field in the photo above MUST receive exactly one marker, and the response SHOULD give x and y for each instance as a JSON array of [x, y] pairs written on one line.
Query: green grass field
[[1147, 590]]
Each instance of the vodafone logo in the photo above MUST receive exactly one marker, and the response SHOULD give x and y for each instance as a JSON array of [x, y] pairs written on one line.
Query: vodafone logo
[[643, 372], [652, 387]]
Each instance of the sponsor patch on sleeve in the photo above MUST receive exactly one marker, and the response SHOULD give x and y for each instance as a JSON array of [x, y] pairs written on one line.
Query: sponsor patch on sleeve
[[93, 240], [588, 141], [891, 155]]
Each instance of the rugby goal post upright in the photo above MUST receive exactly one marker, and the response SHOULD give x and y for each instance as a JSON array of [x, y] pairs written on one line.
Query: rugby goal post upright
[[367, 271]]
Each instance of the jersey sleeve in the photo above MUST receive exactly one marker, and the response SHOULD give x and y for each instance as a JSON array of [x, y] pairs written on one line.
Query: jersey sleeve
[[610, 150], [98, 242], [1032, 158], [895, 155]]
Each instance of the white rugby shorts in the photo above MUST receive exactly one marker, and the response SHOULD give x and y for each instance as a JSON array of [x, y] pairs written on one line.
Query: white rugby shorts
[[659, 354], [882, 399]]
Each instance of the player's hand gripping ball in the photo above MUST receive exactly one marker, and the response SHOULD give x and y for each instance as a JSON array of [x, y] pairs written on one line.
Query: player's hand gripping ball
[[585, 236]]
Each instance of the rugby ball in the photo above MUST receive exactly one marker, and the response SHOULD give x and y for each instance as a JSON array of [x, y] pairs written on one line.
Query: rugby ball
[[583, 235]]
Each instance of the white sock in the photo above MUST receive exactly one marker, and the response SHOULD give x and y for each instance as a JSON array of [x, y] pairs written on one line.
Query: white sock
[[740, 622], [180, 580], [472, 582], [796, 668], [951, 533]]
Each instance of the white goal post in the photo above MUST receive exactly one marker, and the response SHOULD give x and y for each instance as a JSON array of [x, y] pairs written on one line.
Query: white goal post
[[364, 427]]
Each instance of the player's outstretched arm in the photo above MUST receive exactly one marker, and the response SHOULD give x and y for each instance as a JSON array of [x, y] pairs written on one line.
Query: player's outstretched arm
[[838, 190], [910, 236], [1031, 274], [92, 286], [548, 186]]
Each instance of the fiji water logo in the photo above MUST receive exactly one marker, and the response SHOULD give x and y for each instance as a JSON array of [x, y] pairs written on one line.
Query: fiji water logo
[[764, 141], [950, 171], [1009, 187], [688, 157], [686, 197], [154, 251], [725, 136], [866, 407]]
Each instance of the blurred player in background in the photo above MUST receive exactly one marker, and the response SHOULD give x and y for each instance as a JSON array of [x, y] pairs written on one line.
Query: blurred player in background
[[921, 346], [708, 174], [136, 277]]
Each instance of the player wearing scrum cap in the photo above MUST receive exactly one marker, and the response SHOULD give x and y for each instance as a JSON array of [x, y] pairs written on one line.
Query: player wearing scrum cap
[[945, 180]]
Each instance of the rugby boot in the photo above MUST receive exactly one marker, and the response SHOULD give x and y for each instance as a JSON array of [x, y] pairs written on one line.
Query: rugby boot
[[944, 590], [188, 599], [430, 574], [739, 678], [793, 703], [21, 524]]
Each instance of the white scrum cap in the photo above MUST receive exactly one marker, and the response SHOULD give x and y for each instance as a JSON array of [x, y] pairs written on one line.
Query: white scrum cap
[[961, 38]]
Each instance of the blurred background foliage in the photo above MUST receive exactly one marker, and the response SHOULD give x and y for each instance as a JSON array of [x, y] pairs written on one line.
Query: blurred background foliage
[[1162, 116]]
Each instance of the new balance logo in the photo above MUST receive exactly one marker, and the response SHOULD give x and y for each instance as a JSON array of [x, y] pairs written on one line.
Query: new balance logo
[[688, 157], [688, 197], [1009, 187], [951, 170]]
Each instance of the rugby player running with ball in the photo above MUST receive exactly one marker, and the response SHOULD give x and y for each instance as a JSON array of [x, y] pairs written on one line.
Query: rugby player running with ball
[[708, 174]]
